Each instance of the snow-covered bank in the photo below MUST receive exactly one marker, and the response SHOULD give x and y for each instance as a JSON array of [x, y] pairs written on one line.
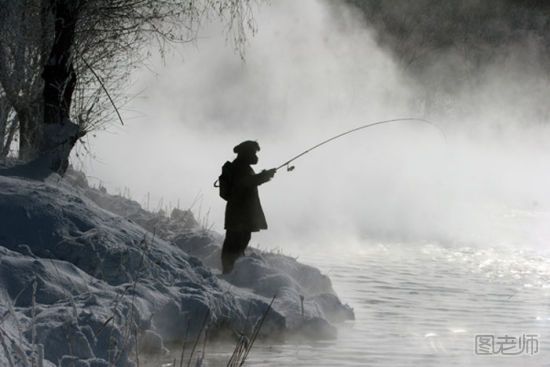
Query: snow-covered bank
[[88, 276]]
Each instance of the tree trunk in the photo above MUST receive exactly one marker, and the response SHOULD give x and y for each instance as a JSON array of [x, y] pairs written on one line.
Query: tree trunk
[[59, 83], [59, 76], [29, 135]]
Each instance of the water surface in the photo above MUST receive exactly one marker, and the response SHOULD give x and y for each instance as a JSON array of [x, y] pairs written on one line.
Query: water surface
[[424, 305]]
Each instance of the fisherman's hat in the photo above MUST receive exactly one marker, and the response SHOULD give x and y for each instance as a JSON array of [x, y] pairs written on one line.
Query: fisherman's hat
[[247, 147]]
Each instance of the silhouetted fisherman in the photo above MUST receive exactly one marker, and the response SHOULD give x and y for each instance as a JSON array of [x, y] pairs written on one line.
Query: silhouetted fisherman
[[243, 213]]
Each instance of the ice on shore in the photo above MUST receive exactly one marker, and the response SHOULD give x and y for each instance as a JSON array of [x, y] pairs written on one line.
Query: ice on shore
[[85, 277]]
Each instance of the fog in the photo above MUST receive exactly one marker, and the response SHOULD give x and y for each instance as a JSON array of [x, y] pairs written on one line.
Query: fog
[[311, 72]]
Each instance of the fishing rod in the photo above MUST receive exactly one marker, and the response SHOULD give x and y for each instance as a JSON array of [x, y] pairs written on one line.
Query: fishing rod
[[403, 119], [290, 168]]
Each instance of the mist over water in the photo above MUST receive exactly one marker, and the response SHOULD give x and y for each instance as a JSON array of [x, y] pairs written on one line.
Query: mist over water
[[311, 72]]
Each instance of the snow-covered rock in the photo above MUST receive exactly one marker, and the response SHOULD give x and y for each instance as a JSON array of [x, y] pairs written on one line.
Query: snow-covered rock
[[83, 274]]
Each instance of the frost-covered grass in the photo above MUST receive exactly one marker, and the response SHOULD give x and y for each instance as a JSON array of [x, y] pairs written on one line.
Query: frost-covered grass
[[95, 280]]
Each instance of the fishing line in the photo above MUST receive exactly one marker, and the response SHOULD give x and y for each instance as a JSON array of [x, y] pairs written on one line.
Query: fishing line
[[290, 168]]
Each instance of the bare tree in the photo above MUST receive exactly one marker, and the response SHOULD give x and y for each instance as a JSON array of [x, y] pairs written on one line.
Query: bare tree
[[22, 46], [62, 62]]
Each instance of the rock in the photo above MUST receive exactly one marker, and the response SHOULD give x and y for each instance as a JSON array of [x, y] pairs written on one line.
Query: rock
[[151, 343]]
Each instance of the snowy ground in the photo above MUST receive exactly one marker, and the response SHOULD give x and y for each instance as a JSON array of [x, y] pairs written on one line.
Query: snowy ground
[[87, 278]]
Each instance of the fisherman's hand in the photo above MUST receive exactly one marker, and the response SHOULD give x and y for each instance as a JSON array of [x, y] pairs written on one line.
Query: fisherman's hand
[[268, 174]]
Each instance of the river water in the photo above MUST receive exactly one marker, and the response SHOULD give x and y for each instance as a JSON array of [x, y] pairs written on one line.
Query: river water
[[427, 305]]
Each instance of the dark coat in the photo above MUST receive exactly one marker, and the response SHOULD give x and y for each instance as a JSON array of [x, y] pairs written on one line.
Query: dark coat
[[243, 211]]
